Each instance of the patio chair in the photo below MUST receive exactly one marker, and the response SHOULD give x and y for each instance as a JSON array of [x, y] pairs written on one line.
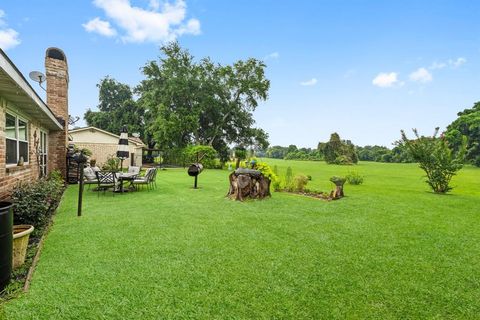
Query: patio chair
[[89, 177], [154, 178], [134, 170], [145, 180], [106, 180]]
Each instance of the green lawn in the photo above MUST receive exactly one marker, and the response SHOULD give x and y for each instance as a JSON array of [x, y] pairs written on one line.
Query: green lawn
[[389, 250]]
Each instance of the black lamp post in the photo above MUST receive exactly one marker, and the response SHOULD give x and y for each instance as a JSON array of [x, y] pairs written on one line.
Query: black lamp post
[[80, 158]]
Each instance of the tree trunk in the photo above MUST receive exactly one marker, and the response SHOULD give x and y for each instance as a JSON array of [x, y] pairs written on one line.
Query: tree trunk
[[247, 183]]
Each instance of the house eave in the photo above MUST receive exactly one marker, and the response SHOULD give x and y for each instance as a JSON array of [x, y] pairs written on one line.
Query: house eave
[[16, 89]]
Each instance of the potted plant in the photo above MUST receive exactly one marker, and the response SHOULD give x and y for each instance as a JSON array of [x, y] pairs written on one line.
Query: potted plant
[[21, 234]]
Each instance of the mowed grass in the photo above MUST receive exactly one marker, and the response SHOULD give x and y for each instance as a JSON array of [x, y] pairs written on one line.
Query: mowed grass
[[389, 250]]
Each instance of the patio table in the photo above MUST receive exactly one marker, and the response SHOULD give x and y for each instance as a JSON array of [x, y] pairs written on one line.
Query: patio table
[[124, 176]]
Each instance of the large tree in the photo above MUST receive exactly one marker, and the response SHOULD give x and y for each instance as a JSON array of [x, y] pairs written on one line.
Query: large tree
[[202, 102], [467, 124], [116, 108], [338, 151]]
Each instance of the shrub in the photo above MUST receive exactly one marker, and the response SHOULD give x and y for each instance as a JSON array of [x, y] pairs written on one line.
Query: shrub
[[112, 164], [436, 158], [289, 179], [34, 202], [277, 185], [338, 180], [300, 182], [354, 177], [206, 155], [266, 170], [309, 177], [343, 160]]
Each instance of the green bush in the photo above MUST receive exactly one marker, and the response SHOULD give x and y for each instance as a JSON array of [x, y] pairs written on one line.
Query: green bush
[[288, 180], [437, 158], [206, 155], [35, 202], [112, 164], [354, 177], [300, 182], [338, 180], [266, 170], [343, 160]]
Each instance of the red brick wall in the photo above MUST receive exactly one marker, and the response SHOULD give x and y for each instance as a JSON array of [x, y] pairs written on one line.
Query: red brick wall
[[57, 101], [12, 175]]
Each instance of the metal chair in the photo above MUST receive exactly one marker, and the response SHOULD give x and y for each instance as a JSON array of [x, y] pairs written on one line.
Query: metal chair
[[106, 180], [135, 170], [154, 178], [145, 180]]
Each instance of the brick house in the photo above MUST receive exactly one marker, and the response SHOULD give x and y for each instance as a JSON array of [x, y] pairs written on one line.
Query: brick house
[[104, 144], [33, 134]]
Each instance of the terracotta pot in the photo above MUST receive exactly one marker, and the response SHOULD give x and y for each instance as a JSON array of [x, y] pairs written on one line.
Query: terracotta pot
[[21, 234]]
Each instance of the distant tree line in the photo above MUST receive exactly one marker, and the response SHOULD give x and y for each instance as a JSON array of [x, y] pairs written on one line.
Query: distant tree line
[[466, 125], [339, 151]]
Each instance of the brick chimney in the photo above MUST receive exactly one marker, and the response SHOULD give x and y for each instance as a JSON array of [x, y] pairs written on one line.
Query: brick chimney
[[57, 99]]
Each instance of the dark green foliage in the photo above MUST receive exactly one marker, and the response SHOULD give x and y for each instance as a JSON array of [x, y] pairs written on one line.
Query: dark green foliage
[[467, 124], [398, 154], [117, 108], [435, 156], [204, 154], [202, 103], [338, 180], [112, 164], [276, 152], [35, 202], [353, 177], [337, 151]]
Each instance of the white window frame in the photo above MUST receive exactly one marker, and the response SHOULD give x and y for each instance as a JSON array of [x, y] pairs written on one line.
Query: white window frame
[[43, 153], [17, 139]]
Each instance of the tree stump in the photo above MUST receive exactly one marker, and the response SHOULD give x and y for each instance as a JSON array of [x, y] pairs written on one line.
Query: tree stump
[[248, 183], [338, 192]]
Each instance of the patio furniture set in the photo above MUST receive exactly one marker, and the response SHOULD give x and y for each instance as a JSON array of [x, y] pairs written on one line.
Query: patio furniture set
[[105, 180]]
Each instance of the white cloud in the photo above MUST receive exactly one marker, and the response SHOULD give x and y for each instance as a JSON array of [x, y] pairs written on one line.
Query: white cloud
[[310, 82], [9, 38], [99, 26], [386, 80], [273, 55], [452, 63], [421, 75], [161, 22], [458, 62]]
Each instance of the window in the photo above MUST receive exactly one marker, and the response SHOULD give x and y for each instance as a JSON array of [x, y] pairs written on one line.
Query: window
[[16, 134], [43, 153]]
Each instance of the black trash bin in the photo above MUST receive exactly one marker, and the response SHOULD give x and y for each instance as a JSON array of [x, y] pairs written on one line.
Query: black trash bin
[[6, 243]]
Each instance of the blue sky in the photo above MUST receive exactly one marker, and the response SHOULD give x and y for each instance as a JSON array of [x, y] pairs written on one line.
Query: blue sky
[[365, 69]]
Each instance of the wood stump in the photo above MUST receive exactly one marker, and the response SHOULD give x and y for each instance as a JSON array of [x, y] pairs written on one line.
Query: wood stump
[[248, 183], [338, 192]]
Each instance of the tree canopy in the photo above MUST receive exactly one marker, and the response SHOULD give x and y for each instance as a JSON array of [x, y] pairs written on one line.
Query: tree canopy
[[339, 151], [467, 124], [202, 102], [116, 109]]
